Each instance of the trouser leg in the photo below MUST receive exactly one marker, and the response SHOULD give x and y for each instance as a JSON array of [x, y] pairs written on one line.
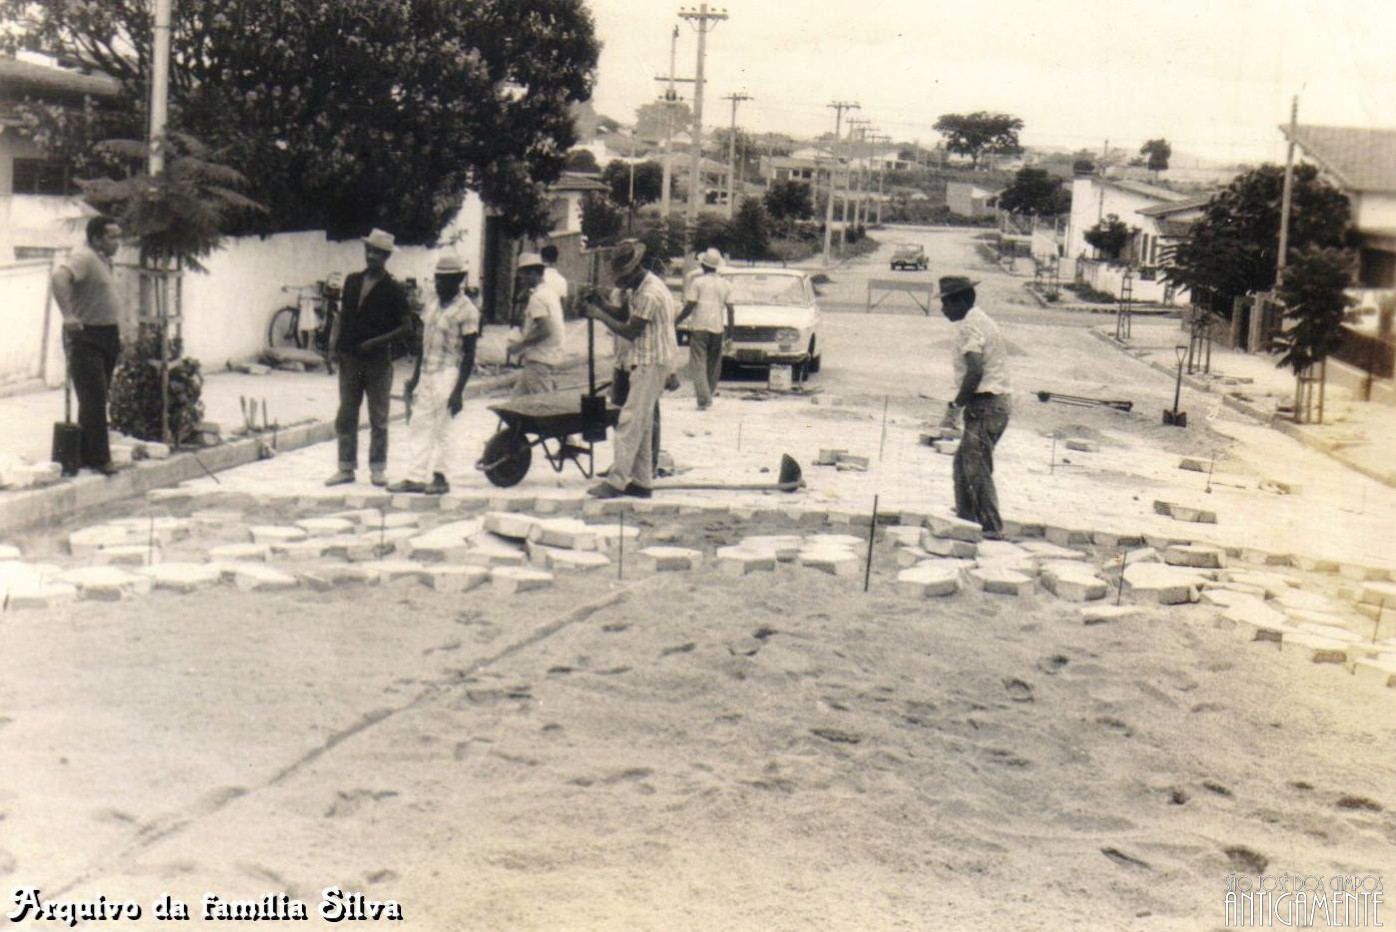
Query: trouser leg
[[378, 385], [714, 361], [634, 444], [698, 349], [346, 421], [976, 498], [91, 361]]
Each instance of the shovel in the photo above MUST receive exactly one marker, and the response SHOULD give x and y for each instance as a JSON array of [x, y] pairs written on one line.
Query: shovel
[[790, 479]]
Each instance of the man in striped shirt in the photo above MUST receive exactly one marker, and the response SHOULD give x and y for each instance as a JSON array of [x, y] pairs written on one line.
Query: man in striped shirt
[[652, 357]]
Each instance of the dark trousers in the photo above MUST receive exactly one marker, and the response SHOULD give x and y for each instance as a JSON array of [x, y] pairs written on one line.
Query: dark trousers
[[361, 376], [976, 499], [92, 353], [620, 390]]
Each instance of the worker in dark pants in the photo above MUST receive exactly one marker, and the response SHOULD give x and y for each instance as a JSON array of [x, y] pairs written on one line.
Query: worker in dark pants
[[983, 395], [84, 288]]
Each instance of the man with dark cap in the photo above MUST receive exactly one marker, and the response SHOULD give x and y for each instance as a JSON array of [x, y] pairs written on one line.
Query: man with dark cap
[[653, 355], [372, 314], [450, 330], [983, 396]]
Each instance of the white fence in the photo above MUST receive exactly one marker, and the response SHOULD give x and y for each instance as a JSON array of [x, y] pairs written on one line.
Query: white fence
[[32, 347]]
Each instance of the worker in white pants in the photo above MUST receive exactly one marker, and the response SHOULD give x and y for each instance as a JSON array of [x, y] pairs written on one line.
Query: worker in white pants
[[435, 393]]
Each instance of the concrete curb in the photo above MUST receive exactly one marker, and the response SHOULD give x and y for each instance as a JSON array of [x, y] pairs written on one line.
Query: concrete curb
[[1269, 419]]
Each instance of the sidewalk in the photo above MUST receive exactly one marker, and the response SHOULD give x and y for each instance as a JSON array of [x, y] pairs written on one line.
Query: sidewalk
[[302, 405], [1360, 435]]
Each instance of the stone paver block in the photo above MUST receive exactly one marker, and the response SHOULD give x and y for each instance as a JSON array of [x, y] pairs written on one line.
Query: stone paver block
[[843, 541], [1227, 598], [1266, 557], [253, 576], [1272, 583], [89, 540], [153, 450], [276, 534], [573, 561], [509, 524], [41, 596], [1000, 551], [836, 561], [566, 533], [301, 551], [1166, 585], [1364, 572], [1000, 581], [363, 516], [168, 495], [1162, 542], [412, 502], [912, 556], [1045, 550], [493, 554], [217, 519], [949, 526], [948, 546], [1306, 600], [666, 559], [1188, 513], [326, 527], [434, 548], [1315, 648], [739, 561], [1381, 673], [394, 570], [606, 507], [853, 461], [1195, 556], [1332, 632], [1083, 446], [328, 578], [1068, 536], [1077, 587], [228, 553], [463, 502], [184, 577], [457, 578], [1377, 593], [514, 579], [376, 500], [105, 583], [1115, 541], [928, 580], [127, 555], [900, 536], [1107, 614], [1315, 564], [1023, 528], [828, 457], [786, 547], [608, 537]]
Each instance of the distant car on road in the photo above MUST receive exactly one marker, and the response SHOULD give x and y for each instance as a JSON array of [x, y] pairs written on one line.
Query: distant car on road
[[776, 320], [909, 256]]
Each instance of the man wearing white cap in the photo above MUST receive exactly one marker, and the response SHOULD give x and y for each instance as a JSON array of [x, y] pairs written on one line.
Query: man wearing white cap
[[707, 297], [540, 347], [435, 393], [373, 313]]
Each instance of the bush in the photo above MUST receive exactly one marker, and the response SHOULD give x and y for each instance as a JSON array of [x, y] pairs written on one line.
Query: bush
[[1315, 302], [135, 391]]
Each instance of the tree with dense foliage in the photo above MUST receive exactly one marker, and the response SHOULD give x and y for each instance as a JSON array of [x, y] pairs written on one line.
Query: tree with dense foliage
[[1158, 152], [1109, 237], [1314, 299], [350, 114], [1232, 249], [650, 119], [581, 160], [1034, 191], [787, 201], [649, 182], [602, 223], [751, 231], [980, 133]]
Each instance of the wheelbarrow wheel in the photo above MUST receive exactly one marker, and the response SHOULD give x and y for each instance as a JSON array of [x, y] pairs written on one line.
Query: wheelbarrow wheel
[[507, 458]]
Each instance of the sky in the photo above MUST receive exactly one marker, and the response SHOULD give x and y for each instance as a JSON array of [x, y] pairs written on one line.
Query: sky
[[1214, 77]]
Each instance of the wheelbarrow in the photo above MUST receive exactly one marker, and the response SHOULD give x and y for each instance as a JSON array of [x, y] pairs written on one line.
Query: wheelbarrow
[[551, 422]]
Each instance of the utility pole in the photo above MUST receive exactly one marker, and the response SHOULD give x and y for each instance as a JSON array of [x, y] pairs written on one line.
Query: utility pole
[[838, 106], [881, 171], [732, 155], [671, 99], [1287, 198], [695, 184], [159, 85], [853, 152]]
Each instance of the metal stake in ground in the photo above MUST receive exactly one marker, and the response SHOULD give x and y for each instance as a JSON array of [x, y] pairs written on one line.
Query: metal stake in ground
[[1052, 463], [872, 532], [1119, 592], [620, 552], [1211, 467], [883, 444], [1175, 417]]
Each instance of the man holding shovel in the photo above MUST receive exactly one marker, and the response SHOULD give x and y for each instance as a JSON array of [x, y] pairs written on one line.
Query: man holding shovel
[[652, 357], [981, 375]]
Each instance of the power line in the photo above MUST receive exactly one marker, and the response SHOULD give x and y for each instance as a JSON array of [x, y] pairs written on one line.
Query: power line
[[838, 106]]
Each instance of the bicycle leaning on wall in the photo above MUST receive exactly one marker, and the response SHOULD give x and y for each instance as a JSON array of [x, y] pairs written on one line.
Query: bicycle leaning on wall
[[308, 323]]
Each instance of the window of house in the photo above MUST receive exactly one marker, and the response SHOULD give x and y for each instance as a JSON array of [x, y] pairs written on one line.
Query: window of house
[[42, 176], [1378, 269]]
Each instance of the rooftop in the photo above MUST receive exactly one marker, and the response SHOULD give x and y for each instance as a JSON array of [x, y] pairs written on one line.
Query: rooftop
[[1177, 207], [25, 77], [1361, 159]]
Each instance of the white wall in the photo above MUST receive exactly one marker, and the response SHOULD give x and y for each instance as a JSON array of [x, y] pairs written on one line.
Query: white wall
[[1110, 278], [24, 286], [1375, 212], [1092, 201]]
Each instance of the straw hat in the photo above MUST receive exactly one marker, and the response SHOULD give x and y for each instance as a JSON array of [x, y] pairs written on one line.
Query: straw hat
[[380, 239]]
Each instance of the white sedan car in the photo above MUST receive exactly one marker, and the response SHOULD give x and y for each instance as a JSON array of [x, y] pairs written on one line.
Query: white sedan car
[[776, 319]]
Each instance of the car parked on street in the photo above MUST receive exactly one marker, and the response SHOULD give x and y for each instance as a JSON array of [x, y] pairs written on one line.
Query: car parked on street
[[909, 256], [776, 320]]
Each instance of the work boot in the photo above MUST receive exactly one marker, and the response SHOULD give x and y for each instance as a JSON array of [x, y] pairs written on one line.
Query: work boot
[[378, 477], [635, 490], [343, 477], [438, 485], [409, 486], [604, 490]]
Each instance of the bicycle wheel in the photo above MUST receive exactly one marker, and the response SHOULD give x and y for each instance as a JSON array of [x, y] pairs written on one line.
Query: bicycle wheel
[[284, 329]]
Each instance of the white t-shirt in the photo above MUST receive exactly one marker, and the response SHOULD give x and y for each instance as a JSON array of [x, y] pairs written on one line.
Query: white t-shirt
[[711, 292], [977, 333], [555, 280], [544, 304]]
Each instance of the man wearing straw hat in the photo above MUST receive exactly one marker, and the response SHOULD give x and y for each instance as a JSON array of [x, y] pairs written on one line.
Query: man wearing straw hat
[[652, 357], [983, 395], [450, 330], [373, 313], [540, 347], [707, 298]]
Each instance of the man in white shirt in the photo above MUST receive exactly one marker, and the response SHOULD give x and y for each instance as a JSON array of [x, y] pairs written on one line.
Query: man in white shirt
[[551, 276], [707, 298], [983, 394], [540, 347]]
